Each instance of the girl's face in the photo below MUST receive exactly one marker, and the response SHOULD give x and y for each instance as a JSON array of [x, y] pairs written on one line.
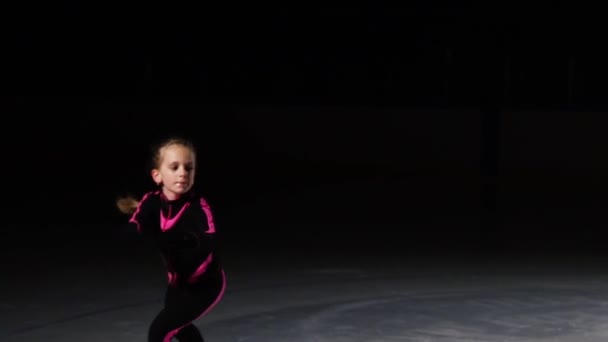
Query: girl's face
[[176, 170]]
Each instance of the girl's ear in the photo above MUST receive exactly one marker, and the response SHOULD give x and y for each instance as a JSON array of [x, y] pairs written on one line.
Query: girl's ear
[[156, 176]]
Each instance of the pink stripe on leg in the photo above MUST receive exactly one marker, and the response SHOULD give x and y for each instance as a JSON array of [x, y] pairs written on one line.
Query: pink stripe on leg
[[173, 332]]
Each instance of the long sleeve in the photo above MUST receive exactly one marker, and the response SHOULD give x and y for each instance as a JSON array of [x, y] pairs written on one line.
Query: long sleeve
[[145, 219], [183, 231], [207, 226], [210, 238]]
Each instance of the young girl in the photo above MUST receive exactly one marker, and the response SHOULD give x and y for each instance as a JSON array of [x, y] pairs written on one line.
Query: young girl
[[180, 224]]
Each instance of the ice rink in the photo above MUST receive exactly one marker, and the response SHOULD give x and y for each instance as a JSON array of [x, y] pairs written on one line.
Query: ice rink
[[98, 293]]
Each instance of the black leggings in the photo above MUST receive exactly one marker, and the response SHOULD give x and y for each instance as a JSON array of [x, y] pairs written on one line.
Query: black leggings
[[182, 307]]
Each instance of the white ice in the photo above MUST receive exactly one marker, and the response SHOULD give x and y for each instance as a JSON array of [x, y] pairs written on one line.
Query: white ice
[[112, 294]]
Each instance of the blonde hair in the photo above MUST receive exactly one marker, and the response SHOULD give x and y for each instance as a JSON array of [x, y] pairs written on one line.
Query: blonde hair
[[129, 204], [157, 150]]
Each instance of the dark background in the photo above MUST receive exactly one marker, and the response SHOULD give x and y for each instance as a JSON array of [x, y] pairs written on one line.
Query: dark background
[[431, 127]]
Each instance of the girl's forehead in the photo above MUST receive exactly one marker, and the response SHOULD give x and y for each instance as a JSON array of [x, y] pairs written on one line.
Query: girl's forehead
[[177, 152]]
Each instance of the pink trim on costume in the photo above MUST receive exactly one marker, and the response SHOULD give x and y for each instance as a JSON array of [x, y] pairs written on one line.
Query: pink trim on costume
[[207, 210], [171, 277], [133, 217], [172, 333], [217, 299], [201, 269], [166, 224]]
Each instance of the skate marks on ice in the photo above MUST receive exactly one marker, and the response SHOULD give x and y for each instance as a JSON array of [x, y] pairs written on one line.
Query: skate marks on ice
[[362, 305], [433, 309]]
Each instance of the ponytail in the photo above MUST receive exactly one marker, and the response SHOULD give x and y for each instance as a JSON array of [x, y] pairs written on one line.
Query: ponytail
[[127, 204]]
